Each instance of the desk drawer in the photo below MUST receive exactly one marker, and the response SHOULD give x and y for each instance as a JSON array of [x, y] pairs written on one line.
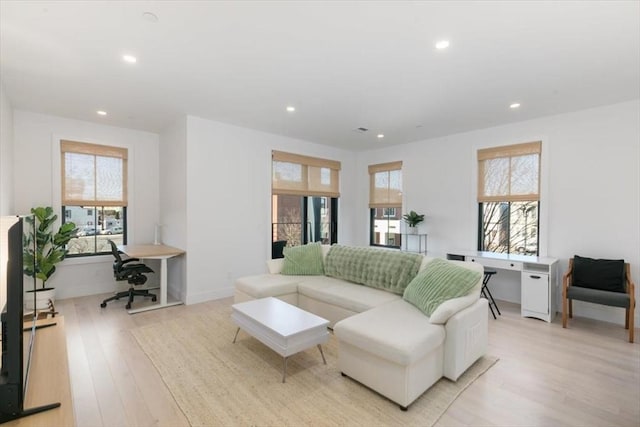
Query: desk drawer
[[497, 263]]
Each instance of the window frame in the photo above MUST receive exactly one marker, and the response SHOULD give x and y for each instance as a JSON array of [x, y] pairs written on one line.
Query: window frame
[[510, 151], [377, 200], [96, 205], [310, 185]]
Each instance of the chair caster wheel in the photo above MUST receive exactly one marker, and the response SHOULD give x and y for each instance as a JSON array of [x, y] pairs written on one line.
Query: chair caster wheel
[[128, 306], [154, 299], [103, 305]]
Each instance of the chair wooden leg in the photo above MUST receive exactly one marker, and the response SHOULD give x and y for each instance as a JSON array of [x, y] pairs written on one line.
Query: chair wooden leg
[[626, 318], [631, 323], [571, 309], [564, 312]]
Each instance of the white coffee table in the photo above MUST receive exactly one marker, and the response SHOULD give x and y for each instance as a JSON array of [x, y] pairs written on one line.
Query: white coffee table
[[282, 327]]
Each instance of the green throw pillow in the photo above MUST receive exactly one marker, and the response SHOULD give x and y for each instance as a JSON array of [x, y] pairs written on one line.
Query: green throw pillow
[[303, 260], [438, 282]]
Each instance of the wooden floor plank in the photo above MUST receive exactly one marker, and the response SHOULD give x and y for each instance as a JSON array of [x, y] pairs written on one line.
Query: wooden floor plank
[[586, 375]]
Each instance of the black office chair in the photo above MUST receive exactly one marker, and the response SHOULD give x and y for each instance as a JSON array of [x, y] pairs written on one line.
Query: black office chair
[[132, 273]]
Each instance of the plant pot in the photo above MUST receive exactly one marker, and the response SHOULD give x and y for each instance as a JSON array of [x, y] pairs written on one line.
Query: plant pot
[[412, 230], [41, 297]]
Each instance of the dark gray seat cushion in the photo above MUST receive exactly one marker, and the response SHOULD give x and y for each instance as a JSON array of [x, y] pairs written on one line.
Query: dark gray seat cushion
[[598, 296]]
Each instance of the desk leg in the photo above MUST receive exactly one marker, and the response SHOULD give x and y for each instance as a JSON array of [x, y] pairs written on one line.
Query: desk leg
[[163, 281], [163, 291]]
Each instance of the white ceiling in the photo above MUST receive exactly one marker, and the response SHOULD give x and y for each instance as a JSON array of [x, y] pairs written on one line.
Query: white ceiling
[[343, 65]]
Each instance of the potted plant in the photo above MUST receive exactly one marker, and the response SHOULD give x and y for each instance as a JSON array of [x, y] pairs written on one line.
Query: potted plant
[[43, 249], [412, 219]]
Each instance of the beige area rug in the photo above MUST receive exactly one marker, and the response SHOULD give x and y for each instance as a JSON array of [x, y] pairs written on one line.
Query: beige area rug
[[216, 382]]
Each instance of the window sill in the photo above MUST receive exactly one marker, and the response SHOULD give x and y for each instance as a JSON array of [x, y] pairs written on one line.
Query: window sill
[[95, 259]]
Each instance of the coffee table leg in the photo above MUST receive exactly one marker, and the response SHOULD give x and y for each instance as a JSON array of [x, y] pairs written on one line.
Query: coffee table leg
[[284, 368], [322, 354], [236, 336]]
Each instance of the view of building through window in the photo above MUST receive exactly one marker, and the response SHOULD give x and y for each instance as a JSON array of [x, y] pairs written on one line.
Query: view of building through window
[[96, 225], [386, 226], [302, 219], [510, 227]]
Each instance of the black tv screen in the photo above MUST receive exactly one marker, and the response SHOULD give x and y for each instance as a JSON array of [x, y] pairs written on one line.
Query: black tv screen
[[13, 374], [11, 371]]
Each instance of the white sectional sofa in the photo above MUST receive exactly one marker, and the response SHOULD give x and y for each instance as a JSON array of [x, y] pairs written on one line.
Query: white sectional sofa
[[385, 342]]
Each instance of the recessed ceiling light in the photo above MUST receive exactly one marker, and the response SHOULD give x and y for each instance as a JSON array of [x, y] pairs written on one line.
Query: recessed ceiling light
[[514, 105], [130, 59], [380, 135], [101, 113], [442, 44], [291, 109]]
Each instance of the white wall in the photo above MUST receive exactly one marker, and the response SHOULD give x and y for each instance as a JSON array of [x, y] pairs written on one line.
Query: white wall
[[229, 202], [6, 178], [590, 202], [37, 183], [211, 183], [6, 154], [173, 202]]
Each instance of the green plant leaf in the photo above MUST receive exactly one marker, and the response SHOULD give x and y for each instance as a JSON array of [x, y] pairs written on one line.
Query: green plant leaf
[[50, 247]]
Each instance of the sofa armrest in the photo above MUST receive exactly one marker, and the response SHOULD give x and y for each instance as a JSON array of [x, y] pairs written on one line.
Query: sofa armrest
[[275, 265], [467, 338]]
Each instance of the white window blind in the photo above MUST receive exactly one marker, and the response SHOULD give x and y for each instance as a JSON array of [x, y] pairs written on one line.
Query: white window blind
[[293, 174], [385, 185], [93, 175], [509, 173]]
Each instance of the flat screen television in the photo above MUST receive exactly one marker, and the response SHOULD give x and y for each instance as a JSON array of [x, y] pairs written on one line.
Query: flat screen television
[[14, 372]]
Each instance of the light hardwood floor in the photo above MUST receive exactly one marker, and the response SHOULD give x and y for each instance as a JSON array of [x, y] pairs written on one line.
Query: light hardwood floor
[[588, 375]]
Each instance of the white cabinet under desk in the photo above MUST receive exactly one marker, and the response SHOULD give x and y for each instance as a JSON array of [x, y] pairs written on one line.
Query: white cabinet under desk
[[538, 279]]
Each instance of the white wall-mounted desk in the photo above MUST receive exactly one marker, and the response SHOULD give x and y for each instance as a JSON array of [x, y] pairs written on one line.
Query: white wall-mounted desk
[[161, 252], [538, 279]]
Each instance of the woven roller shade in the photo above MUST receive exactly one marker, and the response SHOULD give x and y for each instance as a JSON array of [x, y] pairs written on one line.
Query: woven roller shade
[[385, 185], [293, 174], [509, 173], [93, 175]]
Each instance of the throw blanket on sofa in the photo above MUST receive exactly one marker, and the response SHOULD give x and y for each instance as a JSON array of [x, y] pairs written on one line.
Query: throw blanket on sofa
[[378, 268]]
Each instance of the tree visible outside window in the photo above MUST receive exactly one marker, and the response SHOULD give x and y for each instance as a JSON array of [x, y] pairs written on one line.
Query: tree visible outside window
[[94, 195], [385, 204], [509, 198]]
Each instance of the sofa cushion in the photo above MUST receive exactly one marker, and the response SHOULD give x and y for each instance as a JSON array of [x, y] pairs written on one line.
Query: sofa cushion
[[377, 268], [615, 299], [268, 285], [396, 331], [603, 274], [303, 260], [454, 305], [440, 281], [350, 296]]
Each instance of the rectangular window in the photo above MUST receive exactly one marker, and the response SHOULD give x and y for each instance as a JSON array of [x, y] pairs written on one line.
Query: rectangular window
[[509, 198], [385, 201], [389, 212], [305, 193], [94, 195]]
